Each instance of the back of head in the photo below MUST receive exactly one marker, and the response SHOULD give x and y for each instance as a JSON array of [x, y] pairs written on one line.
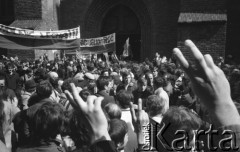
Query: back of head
[[48, 122], [180, 118], [113, 111], [30, 86], [158, 82], [79, 129], [124, 98], [44, 89], [66, 84], [84, 94], [117, 131], [155, 105]]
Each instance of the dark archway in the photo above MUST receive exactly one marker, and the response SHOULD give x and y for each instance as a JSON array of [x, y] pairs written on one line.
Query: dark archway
[[123, 21], [98, 10]]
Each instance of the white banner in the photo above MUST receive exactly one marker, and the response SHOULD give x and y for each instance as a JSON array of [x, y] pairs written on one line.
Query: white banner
[[69, 34], [100, 41]]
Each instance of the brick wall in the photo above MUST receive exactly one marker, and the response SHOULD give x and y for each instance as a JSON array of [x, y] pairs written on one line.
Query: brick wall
[[28, 9], [233, 30], [72, 13], [206, 6], [209, 37]]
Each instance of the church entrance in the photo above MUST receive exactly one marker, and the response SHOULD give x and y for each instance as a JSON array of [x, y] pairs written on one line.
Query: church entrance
[[124, 22]]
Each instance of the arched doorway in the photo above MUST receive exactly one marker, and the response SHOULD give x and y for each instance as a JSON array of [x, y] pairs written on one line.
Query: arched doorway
[[124, 22]]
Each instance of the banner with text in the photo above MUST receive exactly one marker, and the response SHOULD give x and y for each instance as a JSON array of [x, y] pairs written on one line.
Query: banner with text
[[24, 39], [98, 45], [70, 34]]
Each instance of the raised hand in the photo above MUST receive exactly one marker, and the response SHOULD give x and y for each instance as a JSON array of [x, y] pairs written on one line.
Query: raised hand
[[140, 121], [93, 112], [210, 85]]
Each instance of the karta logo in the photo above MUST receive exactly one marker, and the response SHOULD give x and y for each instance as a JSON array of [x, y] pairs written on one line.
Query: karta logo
[[214, 140], [182, 140]]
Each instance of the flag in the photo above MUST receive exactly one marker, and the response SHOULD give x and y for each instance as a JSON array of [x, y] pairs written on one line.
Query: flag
[[125, 48]]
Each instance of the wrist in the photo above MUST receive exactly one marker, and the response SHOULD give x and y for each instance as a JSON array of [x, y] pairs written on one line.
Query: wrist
[[225, 114]]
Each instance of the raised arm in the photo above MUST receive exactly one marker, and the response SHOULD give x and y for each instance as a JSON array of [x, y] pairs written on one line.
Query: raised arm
[[210, 85]]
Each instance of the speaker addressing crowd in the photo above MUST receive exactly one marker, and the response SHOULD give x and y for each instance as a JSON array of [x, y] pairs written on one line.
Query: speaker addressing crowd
[[76, 105]]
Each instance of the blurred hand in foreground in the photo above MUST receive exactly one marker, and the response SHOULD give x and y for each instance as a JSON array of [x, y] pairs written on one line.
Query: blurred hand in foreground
[[210, 85]]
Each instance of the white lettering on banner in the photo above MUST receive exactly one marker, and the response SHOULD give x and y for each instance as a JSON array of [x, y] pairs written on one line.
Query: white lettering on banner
[[25, 33], [98, 41]]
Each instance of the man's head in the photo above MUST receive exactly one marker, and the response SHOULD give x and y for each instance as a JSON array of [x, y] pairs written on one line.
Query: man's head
[[29, 72], [155, 106], [124, 98], [142, 84], [127, 78], [48, 122], [30, 86], [2, 81], [113, 111], [44, 89], [118, 132], [159, 82], [155, 72], [149, 77], [10, 68], [180, 118], [168, 87], [104, 83]]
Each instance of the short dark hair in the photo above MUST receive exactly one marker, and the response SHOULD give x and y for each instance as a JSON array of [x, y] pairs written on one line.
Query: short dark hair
[[44, 89], [124, 98], [90, 66], [84, 94], [10, 65], [117, 131], [103, 81], [158, 82], [79, 130], [48, 121], [66, 84]]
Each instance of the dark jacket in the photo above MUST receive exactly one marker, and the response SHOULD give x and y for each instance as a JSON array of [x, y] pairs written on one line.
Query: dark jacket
[[53, 146], [107, 98], [12, 80]]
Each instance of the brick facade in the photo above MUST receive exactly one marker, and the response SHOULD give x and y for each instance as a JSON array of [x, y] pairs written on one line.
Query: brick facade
[[209, 37], [160, 30], [209, 34]]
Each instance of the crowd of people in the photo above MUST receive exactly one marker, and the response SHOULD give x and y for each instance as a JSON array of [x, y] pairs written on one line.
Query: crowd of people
[[76, 105]]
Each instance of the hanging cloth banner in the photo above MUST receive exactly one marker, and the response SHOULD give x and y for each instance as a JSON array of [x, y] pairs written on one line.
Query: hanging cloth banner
[[24, 39], [98, 45], [70, 34]]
